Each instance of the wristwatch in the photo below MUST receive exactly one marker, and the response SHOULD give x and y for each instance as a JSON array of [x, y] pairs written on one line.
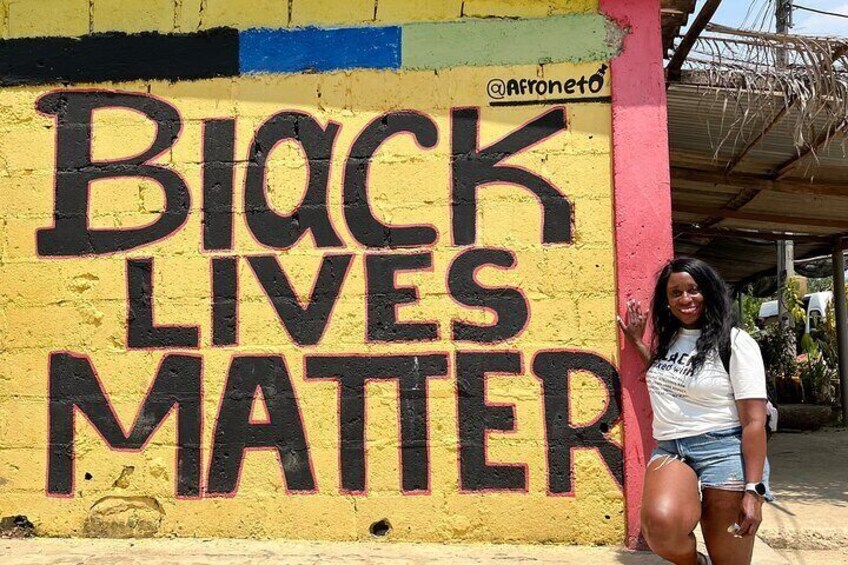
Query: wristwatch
[[757, 488]]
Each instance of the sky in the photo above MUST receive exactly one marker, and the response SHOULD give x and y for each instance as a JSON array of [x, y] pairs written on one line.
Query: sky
[[752, 14]]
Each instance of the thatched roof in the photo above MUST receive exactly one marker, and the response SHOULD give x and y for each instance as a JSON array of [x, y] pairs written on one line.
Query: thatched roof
[[775, 73], [757, 125]]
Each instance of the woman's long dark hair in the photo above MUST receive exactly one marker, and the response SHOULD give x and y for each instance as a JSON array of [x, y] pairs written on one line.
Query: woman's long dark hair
[[717, 320]]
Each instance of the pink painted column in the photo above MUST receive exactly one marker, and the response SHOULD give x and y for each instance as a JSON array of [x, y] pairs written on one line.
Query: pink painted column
[[642, 212]]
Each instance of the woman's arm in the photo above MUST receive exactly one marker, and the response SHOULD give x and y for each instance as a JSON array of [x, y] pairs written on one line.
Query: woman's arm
[[752, 416], [634, 327]]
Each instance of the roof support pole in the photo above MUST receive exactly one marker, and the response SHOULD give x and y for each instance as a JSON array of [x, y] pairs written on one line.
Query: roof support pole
[[739, 306], [841, 323], [679, 57], [785, 271]]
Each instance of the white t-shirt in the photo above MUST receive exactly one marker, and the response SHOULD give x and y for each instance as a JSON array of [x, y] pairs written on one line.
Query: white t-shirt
[[687, 404]]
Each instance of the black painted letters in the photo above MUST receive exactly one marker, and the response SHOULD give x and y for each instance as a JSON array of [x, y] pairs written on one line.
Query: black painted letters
[[234, 433], [142, 332], [509, 304], [269, 227], [362, 223], [74, 386], [352, 372], [76, 170], [305, 324], [554, 369], [476, 418], [474, 167], [177, 386], [384, 296]]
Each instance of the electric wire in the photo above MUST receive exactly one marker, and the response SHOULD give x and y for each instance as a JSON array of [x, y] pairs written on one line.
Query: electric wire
[[823, 12]]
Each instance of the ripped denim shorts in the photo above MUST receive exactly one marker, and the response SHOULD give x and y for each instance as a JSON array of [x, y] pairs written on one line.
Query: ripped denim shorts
[[716, 458]]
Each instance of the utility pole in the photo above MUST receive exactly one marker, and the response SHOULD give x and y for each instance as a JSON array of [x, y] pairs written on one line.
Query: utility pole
[[785, 249], [785, 270], [783, 15], [783, 21]]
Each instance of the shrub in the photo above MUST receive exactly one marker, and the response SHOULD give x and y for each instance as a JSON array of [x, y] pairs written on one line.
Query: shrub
[[777, 344], [817, 379]]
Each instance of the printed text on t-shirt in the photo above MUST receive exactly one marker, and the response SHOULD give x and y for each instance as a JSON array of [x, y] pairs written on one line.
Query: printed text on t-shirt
[[670, 375]]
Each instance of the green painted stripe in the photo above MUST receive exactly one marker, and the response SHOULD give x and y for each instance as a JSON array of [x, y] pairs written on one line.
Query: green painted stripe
[[481, 42]]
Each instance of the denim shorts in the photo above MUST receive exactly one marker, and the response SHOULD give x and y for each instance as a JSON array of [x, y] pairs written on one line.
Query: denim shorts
[[716, 458]]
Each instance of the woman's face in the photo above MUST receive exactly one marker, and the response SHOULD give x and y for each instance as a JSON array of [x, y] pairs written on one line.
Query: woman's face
[[685, 299]]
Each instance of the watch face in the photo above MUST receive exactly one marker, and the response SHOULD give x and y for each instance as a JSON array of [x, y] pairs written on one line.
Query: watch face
[[760, 488]]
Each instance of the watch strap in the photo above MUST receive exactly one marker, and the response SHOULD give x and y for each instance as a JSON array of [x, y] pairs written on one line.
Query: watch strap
[[757, 488]]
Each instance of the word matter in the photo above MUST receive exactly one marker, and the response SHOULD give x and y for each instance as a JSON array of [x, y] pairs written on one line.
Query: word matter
[[74, 386]]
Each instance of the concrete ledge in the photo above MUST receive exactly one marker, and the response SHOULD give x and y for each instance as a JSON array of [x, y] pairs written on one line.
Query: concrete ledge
[[807, 416]]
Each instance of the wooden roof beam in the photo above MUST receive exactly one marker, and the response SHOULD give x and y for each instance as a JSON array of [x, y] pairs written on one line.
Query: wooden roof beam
[[761, 217], [785, 168], [759, 182], [676, 63], [734, 233]]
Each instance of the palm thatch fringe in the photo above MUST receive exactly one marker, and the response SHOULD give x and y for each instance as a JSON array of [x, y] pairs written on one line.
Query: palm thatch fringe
[[762, 78]]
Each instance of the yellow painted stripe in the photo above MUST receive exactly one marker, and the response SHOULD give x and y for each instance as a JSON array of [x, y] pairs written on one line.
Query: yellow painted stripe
[[72, 18]]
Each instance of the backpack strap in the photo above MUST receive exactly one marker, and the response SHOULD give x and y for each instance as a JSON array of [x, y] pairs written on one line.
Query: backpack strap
[[727, 351]]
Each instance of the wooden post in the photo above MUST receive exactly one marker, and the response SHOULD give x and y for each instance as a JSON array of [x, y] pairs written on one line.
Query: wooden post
[[841, 323]]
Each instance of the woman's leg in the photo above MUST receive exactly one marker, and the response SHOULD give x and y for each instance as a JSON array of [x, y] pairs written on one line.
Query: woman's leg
[[720, 510], [671, 509]]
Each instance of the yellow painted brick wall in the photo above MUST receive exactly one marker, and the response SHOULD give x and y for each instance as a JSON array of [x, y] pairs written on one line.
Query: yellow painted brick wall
[[132, 17], [37, 18], [27, 18], [392, 11], [80, 304], [244, 14], [522, 9]]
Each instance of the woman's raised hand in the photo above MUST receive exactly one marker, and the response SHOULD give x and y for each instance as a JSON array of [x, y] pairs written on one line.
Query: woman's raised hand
[[634, 323], [633, 327]]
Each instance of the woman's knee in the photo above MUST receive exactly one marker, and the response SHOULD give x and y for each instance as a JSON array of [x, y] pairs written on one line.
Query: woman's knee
[[661, 522]]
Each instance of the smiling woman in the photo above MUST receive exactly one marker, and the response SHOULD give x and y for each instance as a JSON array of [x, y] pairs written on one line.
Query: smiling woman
[[685, 299], [708, 419]]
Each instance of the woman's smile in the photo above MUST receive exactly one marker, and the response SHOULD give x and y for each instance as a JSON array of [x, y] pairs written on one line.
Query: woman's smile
[[685, 299]]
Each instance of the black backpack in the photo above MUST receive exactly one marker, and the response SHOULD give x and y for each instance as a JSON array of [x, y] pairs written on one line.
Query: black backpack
[[771, 396]]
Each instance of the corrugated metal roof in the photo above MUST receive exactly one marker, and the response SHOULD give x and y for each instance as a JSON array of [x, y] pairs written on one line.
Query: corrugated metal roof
[[707, 129]]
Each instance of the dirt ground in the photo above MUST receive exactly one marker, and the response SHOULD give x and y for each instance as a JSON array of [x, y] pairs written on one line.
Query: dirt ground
[[807, 525]]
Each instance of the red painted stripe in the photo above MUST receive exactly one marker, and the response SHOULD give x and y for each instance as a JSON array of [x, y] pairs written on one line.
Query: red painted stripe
[[642, 212]]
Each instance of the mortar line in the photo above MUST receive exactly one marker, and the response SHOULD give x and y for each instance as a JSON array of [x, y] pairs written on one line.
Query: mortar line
[[200, 14], [4, 6]]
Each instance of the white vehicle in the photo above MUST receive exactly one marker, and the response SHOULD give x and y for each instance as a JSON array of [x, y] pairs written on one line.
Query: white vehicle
[[815, 305]]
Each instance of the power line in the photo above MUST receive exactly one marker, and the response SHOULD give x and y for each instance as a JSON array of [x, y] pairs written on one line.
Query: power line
[[799, 7]]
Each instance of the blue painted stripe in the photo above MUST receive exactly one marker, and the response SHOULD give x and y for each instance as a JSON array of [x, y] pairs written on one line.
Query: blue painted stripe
[[319, 49]]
